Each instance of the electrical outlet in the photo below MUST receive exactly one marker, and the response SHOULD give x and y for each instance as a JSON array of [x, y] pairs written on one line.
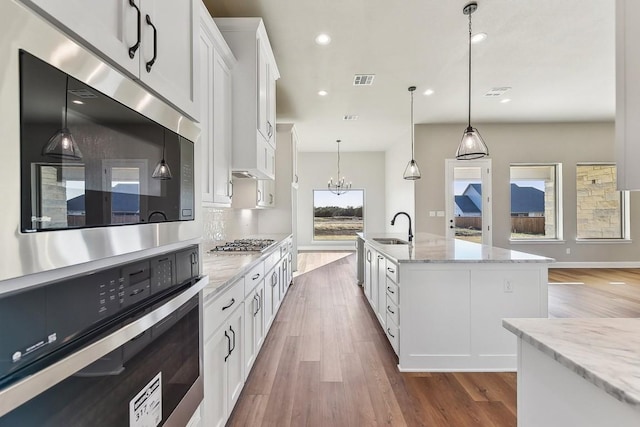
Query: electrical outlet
[[568, 251], [508, 287], [432, 213]]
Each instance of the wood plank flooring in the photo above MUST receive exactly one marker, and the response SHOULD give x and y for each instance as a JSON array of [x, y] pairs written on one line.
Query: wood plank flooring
[[327, 362]]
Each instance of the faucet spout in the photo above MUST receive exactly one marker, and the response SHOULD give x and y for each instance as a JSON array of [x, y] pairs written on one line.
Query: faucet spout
[[393, 221]]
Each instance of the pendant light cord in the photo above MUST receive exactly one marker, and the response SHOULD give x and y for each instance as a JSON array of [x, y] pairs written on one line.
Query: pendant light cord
[[469, 123], [338, 178], [66, 96], [412, 150]]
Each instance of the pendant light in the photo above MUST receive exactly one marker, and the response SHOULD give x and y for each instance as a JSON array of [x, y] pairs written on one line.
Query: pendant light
[[340, 186], [472, 146], [62, 145], [412, 172], [162, 170]]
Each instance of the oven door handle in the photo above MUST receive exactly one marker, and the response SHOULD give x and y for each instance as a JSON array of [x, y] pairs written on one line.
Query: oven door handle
[[228, 345]]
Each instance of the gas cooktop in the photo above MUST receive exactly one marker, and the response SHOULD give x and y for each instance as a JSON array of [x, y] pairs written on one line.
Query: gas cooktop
[[244, 245]]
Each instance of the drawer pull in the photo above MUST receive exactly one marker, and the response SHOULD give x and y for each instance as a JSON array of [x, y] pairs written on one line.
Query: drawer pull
[[390, 270], [390, 290], [390, 311], [390, 334], [233, 301], [380, 257], [256, 277]]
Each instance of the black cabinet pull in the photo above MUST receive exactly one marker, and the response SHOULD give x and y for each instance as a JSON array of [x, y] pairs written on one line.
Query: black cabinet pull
[[234, 339], [255, 298], [233, 301], [134, 48], [155, 45], [389, 290], [390, 334], [256, 277], [390, 311], [380, 257], [228, 346], [390, 270]]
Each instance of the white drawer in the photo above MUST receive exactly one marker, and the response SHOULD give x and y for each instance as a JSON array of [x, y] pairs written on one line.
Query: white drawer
[[393, 292], [216, 311], [392, 271], [393, 311], [272, 260], [253, 278], [393, 334]]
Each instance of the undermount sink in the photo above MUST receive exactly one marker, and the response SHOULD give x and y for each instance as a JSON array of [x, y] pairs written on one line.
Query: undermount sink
[[390, 241]]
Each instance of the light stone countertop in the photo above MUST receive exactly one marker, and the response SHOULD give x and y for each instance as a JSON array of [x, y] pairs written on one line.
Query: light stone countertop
[[605, 351], [224, 268], [431, 248]]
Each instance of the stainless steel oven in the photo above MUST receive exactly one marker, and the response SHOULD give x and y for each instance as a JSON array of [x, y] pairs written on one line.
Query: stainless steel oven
[[62, 210], [118, 347]]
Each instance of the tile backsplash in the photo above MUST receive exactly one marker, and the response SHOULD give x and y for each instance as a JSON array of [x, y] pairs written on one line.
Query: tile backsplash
[[223, 224]]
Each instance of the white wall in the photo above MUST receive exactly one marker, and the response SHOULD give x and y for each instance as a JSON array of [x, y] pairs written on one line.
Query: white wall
[[400, 193], [567, 143], [366, 170]]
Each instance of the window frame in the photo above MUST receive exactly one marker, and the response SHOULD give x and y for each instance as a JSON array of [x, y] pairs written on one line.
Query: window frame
[[558, 199], [336, 241], [625, 216]]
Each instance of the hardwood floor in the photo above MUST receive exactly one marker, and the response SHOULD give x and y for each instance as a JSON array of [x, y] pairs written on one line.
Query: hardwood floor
[[308, 261], [327, 362]]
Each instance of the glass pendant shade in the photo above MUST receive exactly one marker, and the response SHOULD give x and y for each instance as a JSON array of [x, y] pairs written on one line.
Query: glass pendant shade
[[472, 145], [162, 171], [62, 146], [412, 171]]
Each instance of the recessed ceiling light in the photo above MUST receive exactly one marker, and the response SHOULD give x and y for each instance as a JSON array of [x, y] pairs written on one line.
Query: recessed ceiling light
[[323, 93], [323, 39], [478, 37], [504, 101], [77, 101], [428, 92]]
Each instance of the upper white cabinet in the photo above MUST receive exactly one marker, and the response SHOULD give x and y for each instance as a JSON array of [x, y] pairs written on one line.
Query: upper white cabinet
[[253, 96], [254, 193], [215, 80], [151, 40], [627, 94]]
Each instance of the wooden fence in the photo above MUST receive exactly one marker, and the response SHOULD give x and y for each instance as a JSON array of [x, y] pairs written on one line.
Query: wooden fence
[[519, 224]]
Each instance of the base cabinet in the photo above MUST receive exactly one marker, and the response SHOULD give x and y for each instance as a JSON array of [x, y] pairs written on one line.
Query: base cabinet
[[254, 325], [272, 296], [223, 369]]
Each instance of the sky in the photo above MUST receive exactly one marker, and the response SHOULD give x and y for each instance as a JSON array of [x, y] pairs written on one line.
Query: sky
[[353, 198]]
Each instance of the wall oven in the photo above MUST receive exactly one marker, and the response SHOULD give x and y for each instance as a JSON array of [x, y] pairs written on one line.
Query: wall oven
[[65, 207], [116, 347]]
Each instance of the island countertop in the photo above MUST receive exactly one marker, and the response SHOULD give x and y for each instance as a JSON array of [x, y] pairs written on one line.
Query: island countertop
[[605, 352], [431, 248]]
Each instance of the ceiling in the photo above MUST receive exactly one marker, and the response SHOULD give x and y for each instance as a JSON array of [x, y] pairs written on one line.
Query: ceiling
[[558, 57]]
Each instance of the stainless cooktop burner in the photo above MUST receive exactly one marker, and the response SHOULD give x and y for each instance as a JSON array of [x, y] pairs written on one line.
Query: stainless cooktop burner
[[244, 245]]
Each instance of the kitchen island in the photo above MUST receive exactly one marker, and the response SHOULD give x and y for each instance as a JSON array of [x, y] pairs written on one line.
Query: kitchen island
[[578, 372], [441, 301]]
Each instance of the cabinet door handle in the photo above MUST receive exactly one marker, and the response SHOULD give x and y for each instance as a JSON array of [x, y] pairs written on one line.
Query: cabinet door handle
[[270, 131], [255, 298], [155, 45], [228, 346], [270, 198], [259, 196], [390, 270], [296, 175], [274, 279], [259, 301], [390, 290], [234, 339], [134, 48], [390, 311], [233, 301], [256, 277], [230, 189], [368, 256], [390, 334]]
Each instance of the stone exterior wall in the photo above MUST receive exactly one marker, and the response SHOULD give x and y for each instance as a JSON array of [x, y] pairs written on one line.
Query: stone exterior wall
[[53, 198], [598, 202], [550, 209]]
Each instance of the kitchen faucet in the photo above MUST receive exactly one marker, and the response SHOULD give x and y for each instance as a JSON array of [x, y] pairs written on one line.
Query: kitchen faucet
[[394, 220]]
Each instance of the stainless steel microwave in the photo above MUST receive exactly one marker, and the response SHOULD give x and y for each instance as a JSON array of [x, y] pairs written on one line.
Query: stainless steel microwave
[[62, 210]]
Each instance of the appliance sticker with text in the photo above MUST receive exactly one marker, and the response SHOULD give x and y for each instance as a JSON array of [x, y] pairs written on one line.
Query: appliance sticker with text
[[145, 409]]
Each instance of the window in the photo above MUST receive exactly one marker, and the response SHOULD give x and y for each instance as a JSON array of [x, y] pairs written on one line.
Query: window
[[337, 217], [535, 201], [601, 210]]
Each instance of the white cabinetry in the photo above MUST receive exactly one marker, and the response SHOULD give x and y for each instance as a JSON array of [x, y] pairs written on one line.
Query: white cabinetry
[[627, 94], [253, 193], [223, 367], [216, 63], [254, 315], [253, 96], [140, 37]]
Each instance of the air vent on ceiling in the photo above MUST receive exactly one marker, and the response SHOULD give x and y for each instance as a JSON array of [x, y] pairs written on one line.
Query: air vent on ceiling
[[363, 79], [350, 117], [82, 93], [497, 91]]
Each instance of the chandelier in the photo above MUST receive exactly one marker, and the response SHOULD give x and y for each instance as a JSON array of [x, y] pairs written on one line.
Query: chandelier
[[340, 186]]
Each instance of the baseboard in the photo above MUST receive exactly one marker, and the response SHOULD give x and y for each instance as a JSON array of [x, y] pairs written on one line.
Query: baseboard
[[319, 248], [611, 264]]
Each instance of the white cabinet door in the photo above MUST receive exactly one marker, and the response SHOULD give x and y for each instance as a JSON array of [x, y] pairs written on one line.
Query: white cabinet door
[[368, 261], [271, 104], [382, 290], [109, 28], [263, 90], [207, 61], [253, 326], [222, 191], [216, 349], [272, 297], [235, 362], [167, 57]]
